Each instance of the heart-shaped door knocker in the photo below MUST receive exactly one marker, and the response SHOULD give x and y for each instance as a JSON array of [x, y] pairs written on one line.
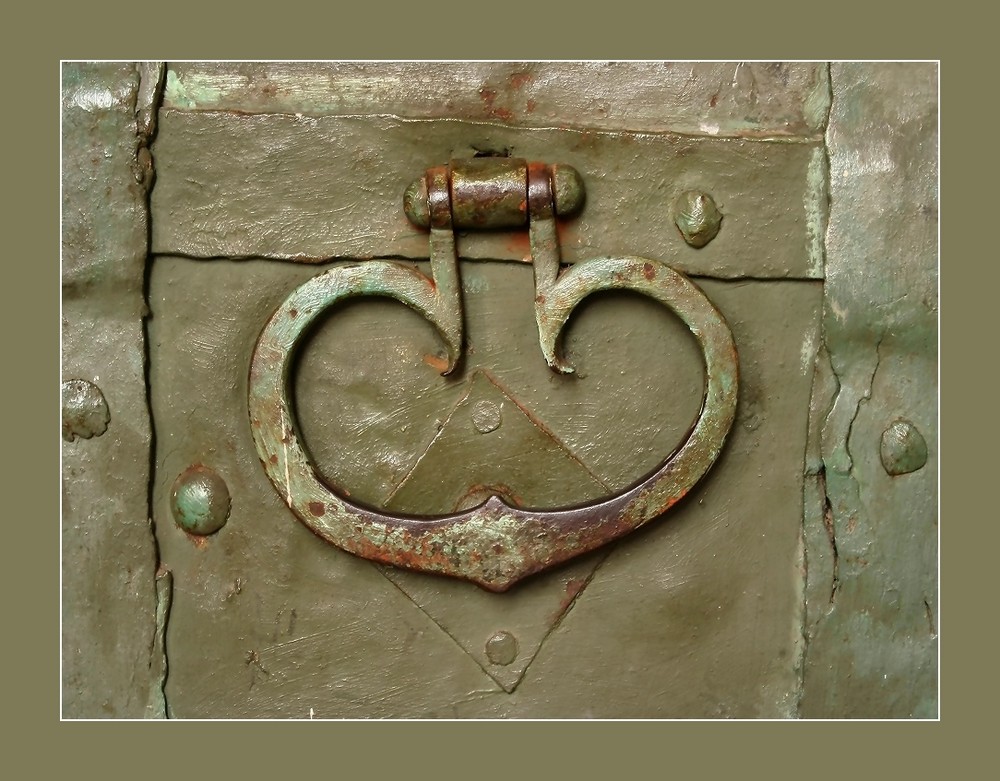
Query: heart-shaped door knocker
[[493, 544]]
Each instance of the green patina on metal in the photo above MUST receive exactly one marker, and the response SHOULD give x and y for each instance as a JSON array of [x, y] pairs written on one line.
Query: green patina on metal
[[903, 448], [697, 218], [200, 500], [85, 410], [488, 193], [493, 544], [699, 613]]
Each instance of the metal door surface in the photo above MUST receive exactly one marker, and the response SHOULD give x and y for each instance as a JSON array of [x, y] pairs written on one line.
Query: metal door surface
[[796, 579]]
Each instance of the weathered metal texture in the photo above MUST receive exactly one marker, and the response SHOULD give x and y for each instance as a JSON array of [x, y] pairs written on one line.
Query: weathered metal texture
[[526, 464], [698, 616], [492, 192], [751, 99], [112, 657], [872, 585], [200, 500], [85, 411], [374, 410], [282, 186], [903, 449], [496, 543], [697, 218]]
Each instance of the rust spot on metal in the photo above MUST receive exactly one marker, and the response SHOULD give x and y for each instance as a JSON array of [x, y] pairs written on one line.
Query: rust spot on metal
[[496, 543], [573, 589], [489, 96], [436, 362], [530, 106], [520, 79], [273, 459], [293, 312]]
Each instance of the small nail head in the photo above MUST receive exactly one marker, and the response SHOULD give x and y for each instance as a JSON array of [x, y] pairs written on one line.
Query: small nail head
[[502, 648], [486, 416]]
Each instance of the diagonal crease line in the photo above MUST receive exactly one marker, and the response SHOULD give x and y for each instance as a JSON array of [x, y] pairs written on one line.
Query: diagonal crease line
[[430, 444], [381, 571], [562, 616], [541, 425], [438, 625], [549, 433]]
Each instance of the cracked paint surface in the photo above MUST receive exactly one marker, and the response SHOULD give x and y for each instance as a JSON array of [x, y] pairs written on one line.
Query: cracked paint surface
[[110, 593], [872, 648]]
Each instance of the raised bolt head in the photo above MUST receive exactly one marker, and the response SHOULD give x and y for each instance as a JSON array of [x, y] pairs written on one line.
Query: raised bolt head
[[501, 648], [199, 500], [697, 217], [903, 449]]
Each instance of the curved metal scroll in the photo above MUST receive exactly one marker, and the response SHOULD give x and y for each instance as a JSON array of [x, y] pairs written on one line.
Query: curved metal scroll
[[494, 544]]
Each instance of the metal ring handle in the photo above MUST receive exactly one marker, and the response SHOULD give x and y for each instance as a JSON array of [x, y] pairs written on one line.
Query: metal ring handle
[[494, 544]]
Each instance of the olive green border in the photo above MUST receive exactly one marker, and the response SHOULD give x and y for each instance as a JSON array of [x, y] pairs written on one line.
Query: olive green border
[[673, 31]]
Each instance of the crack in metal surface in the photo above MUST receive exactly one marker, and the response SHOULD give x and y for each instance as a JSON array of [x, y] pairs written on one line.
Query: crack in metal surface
[[146, 101], [419, 258], [820, 242], [863, 397], [930, 619], [831, 536]]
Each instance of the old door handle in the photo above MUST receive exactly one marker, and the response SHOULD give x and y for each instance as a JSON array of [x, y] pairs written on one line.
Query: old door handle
[[494, 544]]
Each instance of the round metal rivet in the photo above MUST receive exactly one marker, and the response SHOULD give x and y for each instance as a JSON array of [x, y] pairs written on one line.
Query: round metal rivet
[[697, 217], [199, 500], [501, 648], [904, 448], [84, 410], [486, 416]]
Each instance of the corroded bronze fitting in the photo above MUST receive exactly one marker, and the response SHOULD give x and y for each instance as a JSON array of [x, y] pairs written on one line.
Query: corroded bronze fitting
[[488, 193], [494, 544]]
